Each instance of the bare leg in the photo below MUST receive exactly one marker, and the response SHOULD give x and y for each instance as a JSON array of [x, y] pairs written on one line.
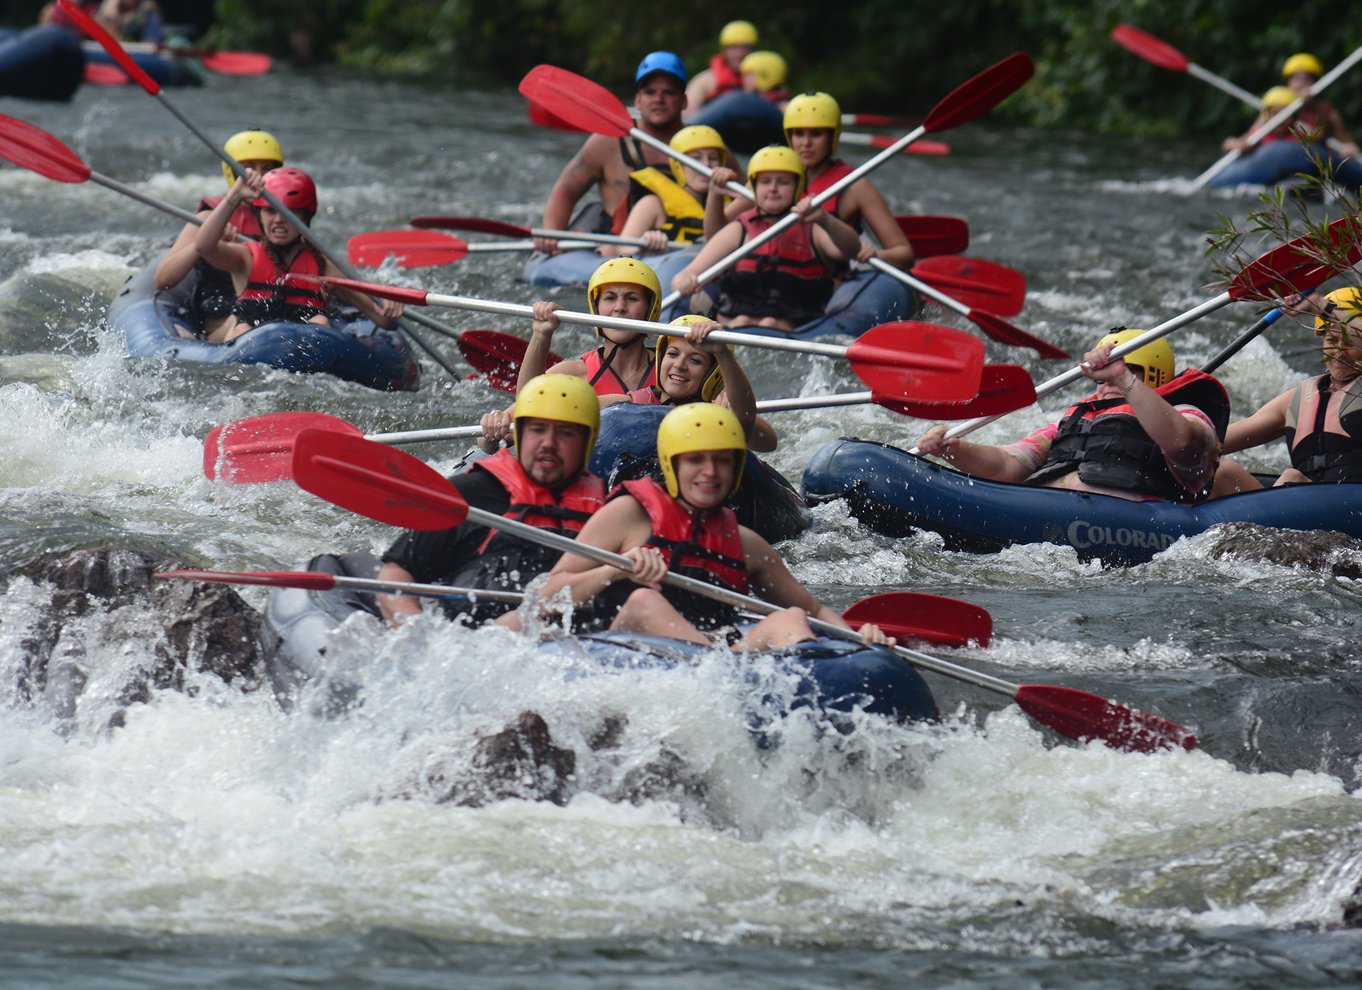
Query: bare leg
[[1291, 477], [647, 611], [1232, 477], [780, 629]]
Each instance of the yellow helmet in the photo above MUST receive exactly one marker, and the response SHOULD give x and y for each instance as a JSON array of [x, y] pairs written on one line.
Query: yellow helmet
[[691, 139], [714, 381], [630, 271], [776, 158], [814, 110], [1154, 358], [1346, 301], [247, 146], [698, 426], [738, 33], [563, 398], [768, 67], [1278, 97], [1302, 62]]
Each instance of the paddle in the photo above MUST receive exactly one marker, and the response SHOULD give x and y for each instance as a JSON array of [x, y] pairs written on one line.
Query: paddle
[[916, 361], [1165, 56], [425, 248], [393, 487], [901, 614], [963, 104], [96, 31], [1295, 266], [1238, 344], [38, 151], [102, 74], [929, 235], [1276, 120], [996, 327], [883, 141], [975, 282]]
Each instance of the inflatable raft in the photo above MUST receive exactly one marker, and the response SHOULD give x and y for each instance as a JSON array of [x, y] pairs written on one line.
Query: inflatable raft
[[747, 121], [163, 325], [164, 68], [626, 448], [836, 676], [40, 63], [895, 493]]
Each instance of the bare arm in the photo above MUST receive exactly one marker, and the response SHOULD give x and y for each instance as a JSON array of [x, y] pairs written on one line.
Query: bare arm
[[722, 244], [700, 89], [833, 238], [535, 361], [864, 200], [179, 261], [983, 460], [582, 172], [394, 605], [208, 242], [620, 526], [1264, 426]]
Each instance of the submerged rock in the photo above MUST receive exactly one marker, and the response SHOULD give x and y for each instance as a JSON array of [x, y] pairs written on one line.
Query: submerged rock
[[521, 761], [179, 628], [1316, 550]]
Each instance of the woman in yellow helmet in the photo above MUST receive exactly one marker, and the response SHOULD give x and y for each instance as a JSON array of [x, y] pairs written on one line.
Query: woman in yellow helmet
[[1321, 418], [1144, 434], [788, 280], [1314, 132], [686, 527]]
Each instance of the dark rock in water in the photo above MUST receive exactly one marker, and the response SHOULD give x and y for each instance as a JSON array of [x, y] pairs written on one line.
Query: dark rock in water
[[1316, 550], [188, 626], [520, 761]]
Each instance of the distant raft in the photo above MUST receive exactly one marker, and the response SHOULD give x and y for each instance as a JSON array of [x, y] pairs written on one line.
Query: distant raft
[[895, 493], [40, 63], [163, 325]]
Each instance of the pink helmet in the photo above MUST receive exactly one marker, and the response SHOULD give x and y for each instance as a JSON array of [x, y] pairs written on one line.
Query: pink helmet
[[291, 186]]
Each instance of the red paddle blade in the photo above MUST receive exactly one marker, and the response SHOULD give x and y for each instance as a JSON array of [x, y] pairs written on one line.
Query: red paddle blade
[[878, 120], [1002, 388], [311, 580], [1007, 333], [976, 283], [1083, 716], [411, 248], [931, 236], [237, 63], [93, 29], [919, 362], [260, 448], [541, 117], [1149, 48], [580, 102], [413, 297], [103, 74], [376, 481], [981, 94], [1302, 263], [916, 148], [479, 224], [907, 615], [38, 151]]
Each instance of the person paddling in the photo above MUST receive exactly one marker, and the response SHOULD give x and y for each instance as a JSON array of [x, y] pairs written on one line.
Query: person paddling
[[1321, 418], [1144, 434], [258, 267], [684, 525], [542, 480], [788, 280], [211, 301], [737, 39]]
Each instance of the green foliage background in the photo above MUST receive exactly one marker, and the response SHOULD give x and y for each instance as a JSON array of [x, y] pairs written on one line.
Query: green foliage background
[[875, 55]]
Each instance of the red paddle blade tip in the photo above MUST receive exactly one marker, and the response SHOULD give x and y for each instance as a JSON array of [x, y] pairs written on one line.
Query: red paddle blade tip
[[1083, 716], [38, 151], [312, 580], [1301, 264], [1149, 48], [985, 91], [415, 297], [577, 100]]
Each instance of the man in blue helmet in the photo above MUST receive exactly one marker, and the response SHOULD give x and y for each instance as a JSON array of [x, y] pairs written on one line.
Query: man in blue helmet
[[659, 98]]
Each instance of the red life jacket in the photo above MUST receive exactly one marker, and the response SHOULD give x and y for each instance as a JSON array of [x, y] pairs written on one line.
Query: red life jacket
[[1104, 440], [708, 549], [267, 299], [243, 217], [784, 277], [603, 378], [1324, 431], [725, 77], [1309, 119], [835, 171]]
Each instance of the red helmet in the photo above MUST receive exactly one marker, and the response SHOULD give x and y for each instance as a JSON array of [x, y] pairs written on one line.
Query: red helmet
[[291, 186]]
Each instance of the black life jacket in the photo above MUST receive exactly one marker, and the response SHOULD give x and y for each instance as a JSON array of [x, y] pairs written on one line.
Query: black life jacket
[[1324, 431], [784, 277]]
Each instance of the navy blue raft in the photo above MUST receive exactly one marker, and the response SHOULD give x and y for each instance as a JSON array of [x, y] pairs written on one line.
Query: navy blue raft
[[836, 676], [163, 325], [626, 448], [41, 63], [163, 66], [894, 492]]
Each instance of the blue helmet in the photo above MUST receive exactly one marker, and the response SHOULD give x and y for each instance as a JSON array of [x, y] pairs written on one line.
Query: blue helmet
[[668, 62]]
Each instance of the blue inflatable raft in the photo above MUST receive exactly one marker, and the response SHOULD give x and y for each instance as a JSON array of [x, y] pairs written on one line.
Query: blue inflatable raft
[[40, 63], [894, 492], [163, 325], [164, 68], [835, 676]]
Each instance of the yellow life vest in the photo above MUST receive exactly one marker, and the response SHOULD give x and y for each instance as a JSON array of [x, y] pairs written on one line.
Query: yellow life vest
[[685, 214]]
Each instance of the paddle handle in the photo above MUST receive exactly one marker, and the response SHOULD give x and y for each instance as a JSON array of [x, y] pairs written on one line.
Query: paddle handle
[[1235, 346], [142, 197], [790, 218], [577, 235], [416, 436], [735, 188], [1224, 85], [1277, 119], [816, 401], [879, 264]]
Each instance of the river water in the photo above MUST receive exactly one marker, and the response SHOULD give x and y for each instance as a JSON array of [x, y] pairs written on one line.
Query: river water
[[213, 839]]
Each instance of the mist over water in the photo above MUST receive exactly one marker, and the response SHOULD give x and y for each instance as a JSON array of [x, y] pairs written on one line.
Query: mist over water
[[205, 836]]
